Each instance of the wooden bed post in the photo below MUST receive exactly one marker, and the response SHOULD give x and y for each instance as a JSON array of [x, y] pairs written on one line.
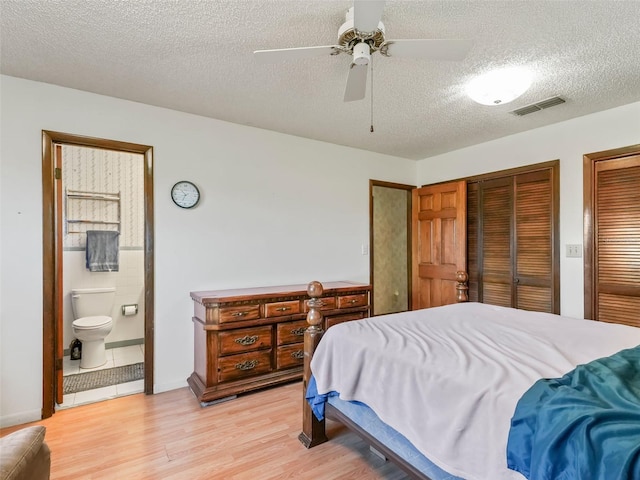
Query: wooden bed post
[[313, 432], [462, 289]]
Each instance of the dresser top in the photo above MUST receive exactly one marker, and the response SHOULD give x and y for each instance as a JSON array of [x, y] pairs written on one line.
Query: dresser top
[[215, 296]]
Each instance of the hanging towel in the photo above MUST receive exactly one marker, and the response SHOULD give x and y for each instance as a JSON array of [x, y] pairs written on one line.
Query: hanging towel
[[102, 251]]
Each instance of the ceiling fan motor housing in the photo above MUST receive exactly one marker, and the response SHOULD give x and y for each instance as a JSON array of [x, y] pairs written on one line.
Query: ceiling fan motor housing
[[349, 37]]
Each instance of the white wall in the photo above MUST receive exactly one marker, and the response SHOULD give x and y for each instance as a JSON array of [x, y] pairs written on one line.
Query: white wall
[[275, 209], [567, 141]]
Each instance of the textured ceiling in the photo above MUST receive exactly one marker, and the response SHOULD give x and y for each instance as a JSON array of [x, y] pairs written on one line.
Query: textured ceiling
[[196, 56]]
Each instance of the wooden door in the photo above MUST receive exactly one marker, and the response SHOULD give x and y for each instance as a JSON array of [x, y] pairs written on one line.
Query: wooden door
[[439, 243], [58, 338], [495, 253], [617, 240], [535, 243]]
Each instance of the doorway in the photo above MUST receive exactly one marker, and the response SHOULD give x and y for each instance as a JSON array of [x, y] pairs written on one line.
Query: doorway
[[69, 209], [390, 241]]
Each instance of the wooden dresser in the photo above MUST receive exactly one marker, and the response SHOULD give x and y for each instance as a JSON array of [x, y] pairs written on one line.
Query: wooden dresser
[[250, 338]]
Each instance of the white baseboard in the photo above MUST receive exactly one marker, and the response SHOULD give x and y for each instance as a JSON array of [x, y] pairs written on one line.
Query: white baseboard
[[36, 415], [20, 418], [165, 387]]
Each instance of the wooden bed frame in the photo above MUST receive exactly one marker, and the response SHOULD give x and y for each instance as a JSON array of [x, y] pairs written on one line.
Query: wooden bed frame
[[313, 430]]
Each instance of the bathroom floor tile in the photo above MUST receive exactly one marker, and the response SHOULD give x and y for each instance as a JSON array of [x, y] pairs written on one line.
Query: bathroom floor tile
[[90, 396], [130, 387], [70, 367], [109, 364], [127, 358], [126, 350], [116, 357], [68, 401]]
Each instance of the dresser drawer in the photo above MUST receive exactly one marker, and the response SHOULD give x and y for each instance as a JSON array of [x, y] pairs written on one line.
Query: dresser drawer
[[244, 365], [291, 332], [350, 301], [290, 356], [335, 319], [238, 313], [328, 303], [280, 309], [244, 340]]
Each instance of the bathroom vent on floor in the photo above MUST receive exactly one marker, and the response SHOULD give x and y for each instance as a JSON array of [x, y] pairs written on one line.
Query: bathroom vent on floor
[[535, 107]]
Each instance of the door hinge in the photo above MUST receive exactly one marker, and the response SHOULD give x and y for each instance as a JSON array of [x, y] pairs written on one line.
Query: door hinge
[[57, 173]]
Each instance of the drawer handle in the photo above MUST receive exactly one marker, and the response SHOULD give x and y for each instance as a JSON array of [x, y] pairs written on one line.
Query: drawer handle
[[239, 314], [353, 300], [298, 354], [247, 340], [247, 365], [298, 331], [283, 309]]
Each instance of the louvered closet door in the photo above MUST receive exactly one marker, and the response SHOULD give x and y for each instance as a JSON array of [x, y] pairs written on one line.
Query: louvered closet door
[[513, 258], [495, 247], [617, 239], [533, 277], [472, 240]]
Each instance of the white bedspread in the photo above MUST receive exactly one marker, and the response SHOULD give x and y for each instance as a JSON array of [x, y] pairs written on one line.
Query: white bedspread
[[449, 378]]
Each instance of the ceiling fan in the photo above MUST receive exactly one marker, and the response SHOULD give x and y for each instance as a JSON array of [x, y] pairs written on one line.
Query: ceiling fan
[[363, 34]]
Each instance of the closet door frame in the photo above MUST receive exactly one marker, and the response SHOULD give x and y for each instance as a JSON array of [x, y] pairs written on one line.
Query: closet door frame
[[588, 174]]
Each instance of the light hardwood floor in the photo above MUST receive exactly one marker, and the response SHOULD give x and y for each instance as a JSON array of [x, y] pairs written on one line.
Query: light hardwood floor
[[169, 436]]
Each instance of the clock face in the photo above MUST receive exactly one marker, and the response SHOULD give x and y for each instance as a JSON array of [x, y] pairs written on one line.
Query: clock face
[[185, 194]]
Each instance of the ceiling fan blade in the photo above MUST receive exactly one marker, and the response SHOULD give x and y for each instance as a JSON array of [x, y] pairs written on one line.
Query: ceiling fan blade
[[427, 49], [367, 14], [282, 54], [356, 83]]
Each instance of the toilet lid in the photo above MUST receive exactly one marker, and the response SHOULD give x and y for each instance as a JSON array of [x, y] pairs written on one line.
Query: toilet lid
[[91, 322]]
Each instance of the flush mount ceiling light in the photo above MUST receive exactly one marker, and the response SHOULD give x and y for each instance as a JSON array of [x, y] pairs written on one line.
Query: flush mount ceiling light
[[499, 86]]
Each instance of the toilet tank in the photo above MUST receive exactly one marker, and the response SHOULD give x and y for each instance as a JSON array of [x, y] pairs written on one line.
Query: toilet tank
[[89, 302]]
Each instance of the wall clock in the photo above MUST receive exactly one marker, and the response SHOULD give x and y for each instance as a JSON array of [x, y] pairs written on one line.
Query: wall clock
[[185, 194]]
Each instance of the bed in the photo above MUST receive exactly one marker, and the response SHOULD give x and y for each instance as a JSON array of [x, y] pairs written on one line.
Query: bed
[[480, 392]]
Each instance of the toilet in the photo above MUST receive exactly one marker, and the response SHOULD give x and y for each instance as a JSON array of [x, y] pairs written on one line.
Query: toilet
[[92, 312]]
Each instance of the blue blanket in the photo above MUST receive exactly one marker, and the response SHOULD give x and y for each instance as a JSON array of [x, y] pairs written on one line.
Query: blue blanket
[[315, 399], [585, 425]]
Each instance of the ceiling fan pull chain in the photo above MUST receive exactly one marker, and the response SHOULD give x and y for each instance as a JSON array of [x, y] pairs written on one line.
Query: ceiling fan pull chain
[[371, 130]]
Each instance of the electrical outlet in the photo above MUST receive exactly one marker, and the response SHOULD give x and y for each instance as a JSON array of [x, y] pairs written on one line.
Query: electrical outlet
[[574, 250]]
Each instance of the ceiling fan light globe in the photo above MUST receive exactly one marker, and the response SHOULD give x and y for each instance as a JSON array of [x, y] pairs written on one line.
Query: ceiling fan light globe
[[499, 86], [361, 54]]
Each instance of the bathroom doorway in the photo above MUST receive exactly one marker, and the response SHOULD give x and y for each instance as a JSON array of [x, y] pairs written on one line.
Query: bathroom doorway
[[96, 184], [390, 241]]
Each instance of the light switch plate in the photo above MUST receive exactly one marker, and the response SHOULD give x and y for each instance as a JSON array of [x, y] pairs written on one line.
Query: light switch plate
[[574, 250]]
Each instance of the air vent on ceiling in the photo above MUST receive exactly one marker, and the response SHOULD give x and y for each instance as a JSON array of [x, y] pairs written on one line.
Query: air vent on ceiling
[[535, 107]]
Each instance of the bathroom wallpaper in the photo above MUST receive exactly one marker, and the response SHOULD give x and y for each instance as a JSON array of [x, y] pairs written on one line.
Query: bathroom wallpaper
[[390, 250], [99, 171]]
